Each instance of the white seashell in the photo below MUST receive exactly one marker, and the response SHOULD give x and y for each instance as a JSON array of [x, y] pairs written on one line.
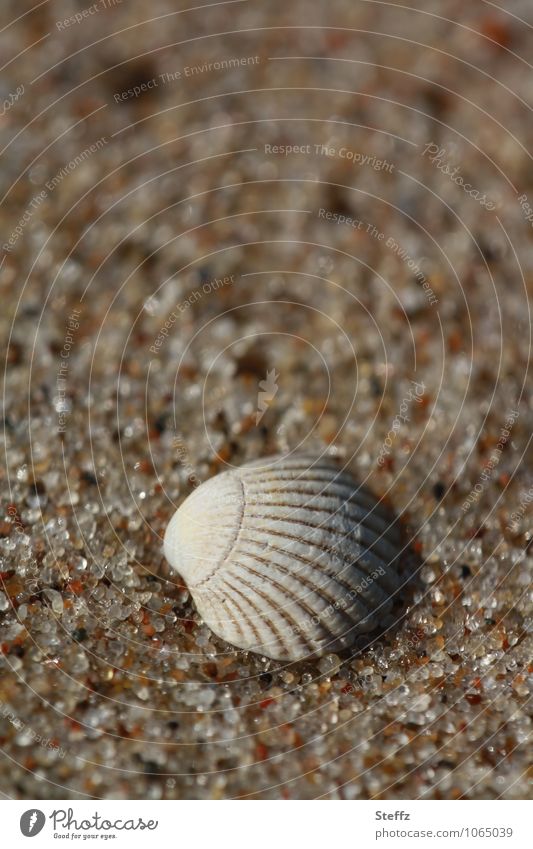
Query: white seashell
[[286, 556]]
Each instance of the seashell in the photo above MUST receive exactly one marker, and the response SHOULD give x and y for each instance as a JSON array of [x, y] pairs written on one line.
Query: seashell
[[287, 556]]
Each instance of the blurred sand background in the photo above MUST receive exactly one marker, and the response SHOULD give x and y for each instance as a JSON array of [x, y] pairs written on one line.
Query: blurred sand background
[[190, 200]]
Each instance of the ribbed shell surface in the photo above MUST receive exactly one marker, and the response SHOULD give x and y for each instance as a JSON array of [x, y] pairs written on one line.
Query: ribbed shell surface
[[286, 556]]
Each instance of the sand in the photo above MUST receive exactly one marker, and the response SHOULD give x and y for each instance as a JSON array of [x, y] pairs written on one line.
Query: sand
[[192, 199]]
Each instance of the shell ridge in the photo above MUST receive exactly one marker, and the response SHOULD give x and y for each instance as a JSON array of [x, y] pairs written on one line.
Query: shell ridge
[[297, 601], [305, 582], [236, 620], [348, 564], [324, 549], [267, 623], [245, 617], [235, 540], [321, 571], [233, 619], [362, 551], [357, 496], [288, 556], [381, 547], [263, 593]]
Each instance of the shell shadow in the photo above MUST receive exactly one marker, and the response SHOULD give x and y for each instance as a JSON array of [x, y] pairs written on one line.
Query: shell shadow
[[408, 568]]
